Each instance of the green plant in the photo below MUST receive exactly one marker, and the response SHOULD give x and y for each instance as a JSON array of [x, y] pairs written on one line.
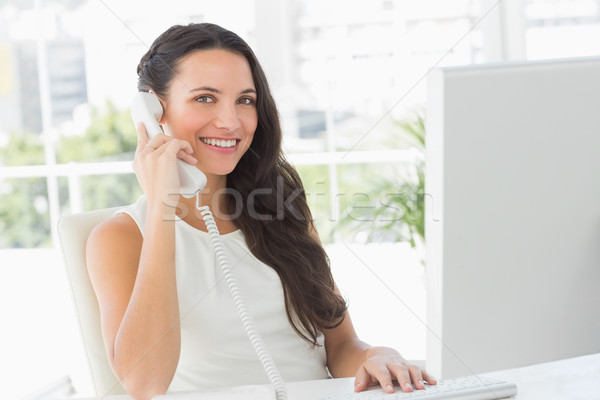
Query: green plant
[[394, 208]]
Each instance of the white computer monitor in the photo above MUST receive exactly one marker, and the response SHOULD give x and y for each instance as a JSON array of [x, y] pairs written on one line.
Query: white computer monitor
[[513, 214]]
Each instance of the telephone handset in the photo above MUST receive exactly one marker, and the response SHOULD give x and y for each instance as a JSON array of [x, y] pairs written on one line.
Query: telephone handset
[[146, 108]]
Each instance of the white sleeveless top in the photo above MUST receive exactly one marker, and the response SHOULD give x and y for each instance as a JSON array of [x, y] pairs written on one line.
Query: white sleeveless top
[[215, 351]]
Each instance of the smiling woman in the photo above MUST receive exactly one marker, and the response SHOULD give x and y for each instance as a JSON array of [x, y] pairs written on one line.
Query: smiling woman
[[151, 262]]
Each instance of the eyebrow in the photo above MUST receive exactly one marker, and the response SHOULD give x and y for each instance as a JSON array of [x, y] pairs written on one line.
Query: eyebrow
[[212, 89]]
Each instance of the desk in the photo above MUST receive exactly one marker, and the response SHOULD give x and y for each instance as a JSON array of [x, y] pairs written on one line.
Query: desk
[[571, 379]]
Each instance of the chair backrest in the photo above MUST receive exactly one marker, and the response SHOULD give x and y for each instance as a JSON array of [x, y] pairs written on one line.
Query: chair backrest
[[73, 232]]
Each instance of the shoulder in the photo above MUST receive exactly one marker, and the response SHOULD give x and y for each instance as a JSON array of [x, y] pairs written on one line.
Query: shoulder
[[120, 230], [114, 244]]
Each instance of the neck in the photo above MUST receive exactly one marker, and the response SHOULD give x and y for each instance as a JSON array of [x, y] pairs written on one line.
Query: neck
[[213, 196]]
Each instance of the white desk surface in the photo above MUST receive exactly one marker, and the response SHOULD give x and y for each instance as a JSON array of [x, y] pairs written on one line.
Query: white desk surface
[[571, 379]]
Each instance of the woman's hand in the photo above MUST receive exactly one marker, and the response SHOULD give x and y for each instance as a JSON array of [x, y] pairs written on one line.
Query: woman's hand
[[383, 365], [154, 163]]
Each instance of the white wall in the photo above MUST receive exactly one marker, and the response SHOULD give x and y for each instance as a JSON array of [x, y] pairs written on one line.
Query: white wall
[[513, 218]]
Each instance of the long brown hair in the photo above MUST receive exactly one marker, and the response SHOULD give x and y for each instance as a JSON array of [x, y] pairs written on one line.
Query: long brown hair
[[278, 227]]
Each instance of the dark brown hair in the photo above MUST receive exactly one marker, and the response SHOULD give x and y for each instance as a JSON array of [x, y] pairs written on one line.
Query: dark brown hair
[[281, 237]]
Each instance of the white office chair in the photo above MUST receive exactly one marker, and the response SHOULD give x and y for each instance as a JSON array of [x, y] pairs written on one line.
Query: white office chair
[[74, 231]]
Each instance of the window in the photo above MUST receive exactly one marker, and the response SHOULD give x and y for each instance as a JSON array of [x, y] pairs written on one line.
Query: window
[[346, 76]]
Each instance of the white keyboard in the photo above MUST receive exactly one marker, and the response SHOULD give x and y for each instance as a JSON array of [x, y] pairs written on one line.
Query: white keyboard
[[463, 388]]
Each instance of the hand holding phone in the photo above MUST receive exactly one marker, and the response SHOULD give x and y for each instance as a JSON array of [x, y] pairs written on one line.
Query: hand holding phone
[[146, 108]]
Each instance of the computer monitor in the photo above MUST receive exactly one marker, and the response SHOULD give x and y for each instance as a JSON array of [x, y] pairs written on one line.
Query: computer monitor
[[513, 214]]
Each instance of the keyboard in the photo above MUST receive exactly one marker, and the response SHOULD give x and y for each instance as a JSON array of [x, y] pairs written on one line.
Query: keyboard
[[464, 388]]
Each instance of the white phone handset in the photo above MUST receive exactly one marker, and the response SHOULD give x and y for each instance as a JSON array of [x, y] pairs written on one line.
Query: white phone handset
[[146, 108]]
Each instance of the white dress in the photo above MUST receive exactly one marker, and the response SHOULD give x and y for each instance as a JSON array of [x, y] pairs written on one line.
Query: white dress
[[215, 351]]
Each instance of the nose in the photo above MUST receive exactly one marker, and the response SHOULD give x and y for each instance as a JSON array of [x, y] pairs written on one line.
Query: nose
[[226, 117]]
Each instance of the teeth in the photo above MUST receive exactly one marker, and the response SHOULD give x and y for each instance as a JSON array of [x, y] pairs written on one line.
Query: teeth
[[219, 143]]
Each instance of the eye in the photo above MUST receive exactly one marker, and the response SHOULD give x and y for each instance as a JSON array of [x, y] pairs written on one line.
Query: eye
[[205, 99], [246, 101]]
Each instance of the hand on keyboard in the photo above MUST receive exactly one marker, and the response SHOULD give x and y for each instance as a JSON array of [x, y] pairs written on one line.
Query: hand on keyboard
[[383, 365]]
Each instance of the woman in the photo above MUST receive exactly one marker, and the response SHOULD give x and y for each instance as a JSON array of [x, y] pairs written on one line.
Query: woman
[[168, 320]]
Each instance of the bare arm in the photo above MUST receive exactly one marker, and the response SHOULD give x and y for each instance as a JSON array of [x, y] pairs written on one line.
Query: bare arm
[[348, 356], [134, 277], [134, 280]]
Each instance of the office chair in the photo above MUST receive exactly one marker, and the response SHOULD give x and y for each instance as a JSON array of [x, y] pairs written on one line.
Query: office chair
[[73, 231]]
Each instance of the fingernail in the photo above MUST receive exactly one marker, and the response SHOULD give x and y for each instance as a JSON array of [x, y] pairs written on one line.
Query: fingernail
[[390, 388], [408, 386]]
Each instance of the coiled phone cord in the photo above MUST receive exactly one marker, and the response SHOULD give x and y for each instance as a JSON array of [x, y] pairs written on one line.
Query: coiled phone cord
[[247, 321]]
